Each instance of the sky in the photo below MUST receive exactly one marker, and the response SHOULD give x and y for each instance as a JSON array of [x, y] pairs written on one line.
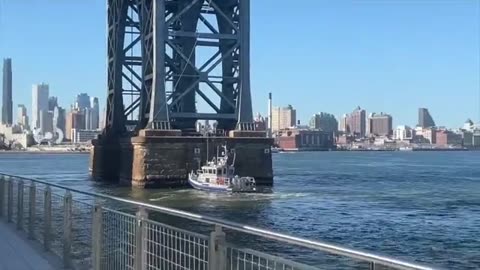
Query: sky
[[390, 56]]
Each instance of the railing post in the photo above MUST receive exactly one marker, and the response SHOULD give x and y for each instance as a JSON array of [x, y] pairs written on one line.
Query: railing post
[[140, 239], [67, 230], [97, 236], [20, 205], [372, 266], [10, 201], [31, 208], [47, 210], [2, 196], [217, 250]]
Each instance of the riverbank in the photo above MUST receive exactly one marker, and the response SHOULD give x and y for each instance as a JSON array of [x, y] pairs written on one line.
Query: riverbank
[[58, 149], [375, 150]]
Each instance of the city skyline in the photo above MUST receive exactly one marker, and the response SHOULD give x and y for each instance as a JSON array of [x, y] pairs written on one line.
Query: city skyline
[[382, 67], [304, 122]]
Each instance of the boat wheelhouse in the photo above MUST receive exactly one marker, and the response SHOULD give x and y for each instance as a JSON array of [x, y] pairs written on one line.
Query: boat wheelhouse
[[218, 175]]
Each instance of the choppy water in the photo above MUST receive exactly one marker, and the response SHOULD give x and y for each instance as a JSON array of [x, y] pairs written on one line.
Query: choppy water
[[422, 206]]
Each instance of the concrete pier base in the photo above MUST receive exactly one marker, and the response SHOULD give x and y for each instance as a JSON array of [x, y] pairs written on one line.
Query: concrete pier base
[[106, 159], [153, 160]]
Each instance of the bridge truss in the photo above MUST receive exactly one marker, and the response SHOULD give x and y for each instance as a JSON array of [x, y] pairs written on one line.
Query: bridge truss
[[157, 73]]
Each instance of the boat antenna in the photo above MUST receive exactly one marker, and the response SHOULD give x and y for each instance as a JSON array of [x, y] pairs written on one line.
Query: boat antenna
[[207, 145], [234, 156]]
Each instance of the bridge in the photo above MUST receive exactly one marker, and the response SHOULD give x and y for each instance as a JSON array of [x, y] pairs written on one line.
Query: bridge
[[172, 63]]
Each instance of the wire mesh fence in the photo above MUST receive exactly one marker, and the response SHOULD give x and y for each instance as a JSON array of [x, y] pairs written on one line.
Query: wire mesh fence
[[118, 238], [13, 201], [56, 229], [247, 259], [82, 213], [25, 208], [172, 248], [39, 213]]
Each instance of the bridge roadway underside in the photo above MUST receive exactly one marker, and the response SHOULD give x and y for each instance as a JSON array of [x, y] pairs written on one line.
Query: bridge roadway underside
[[165, 161]]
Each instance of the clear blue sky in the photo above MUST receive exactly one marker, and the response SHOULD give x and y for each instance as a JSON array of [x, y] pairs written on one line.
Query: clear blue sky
[[386, 55]]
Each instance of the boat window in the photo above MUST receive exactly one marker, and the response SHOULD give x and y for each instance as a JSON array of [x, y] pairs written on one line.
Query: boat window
[[219, 172], [207, 180], [210, 171], [224, 170]]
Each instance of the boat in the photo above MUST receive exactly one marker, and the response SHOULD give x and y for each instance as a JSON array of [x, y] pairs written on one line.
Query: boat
[[218, 175]]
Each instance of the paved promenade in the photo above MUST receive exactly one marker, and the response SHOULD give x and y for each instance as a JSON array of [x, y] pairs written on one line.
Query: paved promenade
[[16, 253]]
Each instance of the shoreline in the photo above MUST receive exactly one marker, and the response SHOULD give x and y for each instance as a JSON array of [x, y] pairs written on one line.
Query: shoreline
[[6, 152], [379, 150]]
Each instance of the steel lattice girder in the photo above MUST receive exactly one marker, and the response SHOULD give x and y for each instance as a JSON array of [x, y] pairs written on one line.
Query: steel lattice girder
[[115, 118], [167, 32], [231, 37]]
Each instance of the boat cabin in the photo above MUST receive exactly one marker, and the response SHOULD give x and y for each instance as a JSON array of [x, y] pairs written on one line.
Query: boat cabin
[[216, 174]]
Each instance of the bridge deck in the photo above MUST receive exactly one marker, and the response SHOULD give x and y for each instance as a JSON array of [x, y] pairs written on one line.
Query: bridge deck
[[16, 253]]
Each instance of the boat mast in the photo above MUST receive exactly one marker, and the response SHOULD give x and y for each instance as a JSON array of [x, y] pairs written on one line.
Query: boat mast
[[207, 147]]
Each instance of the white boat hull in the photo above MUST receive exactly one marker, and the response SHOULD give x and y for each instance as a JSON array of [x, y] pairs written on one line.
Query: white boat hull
[[207, 186], [193, 181]]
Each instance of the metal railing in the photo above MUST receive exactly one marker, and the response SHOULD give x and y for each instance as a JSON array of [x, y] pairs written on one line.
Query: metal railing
[[96, 231]]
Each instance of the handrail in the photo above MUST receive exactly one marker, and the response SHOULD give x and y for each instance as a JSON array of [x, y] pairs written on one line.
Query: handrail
[[317, 245]]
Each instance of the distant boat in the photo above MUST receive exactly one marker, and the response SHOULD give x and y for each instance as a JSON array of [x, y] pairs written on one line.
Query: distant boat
[[218, 175], [406, 148]]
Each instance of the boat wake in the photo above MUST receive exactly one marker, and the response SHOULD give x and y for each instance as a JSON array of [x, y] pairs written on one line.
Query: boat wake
[[195, 195]]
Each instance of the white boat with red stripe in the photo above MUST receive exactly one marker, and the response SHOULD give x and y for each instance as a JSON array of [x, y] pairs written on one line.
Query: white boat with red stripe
[[218, 175]]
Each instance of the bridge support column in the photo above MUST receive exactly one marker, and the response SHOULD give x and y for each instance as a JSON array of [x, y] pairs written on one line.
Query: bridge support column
[[163, 161], [106, 159], [152, 48]]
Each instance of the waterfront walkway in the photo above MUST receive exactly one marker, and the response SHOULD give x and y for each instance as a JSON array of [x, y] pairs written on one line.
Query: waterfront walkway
[[17, 253]]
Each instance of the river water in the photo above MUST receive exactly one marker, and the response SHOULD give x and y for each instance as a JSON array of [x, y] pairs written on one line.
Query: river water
[[421, 206]]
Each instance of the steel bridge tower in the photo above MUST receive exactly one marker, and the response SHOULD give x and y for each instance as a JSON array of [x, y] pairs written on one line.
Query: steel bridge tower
[[170, 64], [155, 75]]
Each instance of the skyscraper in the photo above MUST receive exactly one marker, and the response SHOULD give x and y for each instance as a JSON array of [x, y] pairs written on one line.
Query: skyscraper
[[380, 124], [46, 121], [94, 114], [59, 119], [7, 113], [82, 101], [39, 103], [75, 121], [283, 118], [88, 112], [425, 120], [22, 118], [325, 122], [356, 122], [342, 126], [52, 103]]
